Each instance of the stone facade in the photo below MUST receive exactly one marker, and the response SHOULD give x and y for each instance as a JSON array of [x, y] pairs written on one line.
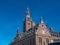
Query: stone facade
[[55, 35], [33, 34]]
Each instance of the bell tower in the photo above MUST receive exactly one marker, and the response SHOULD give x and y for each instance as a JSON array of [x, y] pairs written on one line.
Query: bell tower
[[27, 21]]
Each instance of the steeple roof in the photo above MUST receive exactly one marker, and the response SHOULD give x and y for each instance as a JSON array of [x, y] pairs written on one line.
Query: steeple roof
[[18, 32], [27, 12], [17, 36]]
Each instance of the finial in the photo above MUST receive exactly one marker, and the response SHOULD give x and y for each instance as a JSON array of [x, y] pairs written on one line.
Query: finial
[[27, 8], [42, 20], [18, 30], [27, 13]]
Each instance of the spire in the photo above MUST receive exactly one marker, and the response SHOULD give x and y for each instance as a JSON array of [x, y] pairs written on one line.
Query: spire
[[51, 29], [27, 13], [41, 20], [18, 32], [27, 21]]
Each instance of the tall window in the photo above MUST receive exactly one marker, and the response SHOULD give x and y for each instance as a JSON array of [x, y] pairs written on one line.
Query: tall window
[[40, 41], [32, 41], [47, 41], [44, 43]]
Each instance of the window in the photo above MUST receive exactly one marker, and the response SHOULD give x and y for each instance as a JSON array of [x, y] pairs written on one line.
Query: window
[[30, 42], [33, 41], [40, 41], [47, 41], [44, 43]]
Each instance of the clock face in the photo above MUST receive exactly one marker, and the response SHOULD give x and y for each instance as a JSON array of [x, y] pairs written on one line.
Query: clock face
[[43, 32]]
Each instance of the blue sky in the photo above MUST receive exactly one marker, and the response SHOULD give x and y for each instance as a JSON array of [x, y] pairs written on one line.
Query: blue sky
[[12, 14]]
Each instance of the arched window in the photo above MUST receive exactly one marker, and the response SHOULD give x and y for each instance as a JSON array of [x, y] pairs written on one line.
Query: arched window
[[44, 43], [47, 41], [40, 41]]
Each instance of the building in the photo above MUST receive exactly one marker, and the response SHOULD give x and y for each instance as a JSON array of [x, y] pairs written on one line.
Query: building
[[55, 35], [34, 34]]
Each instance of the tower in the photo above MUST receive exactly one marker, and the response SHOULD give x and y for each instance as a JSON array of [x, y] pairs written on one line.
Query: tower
[[27, 21]]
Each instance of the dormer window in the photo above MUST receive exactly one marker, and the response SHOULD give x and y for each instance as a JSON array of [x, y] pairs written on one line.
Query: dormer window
[[40, 41]]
